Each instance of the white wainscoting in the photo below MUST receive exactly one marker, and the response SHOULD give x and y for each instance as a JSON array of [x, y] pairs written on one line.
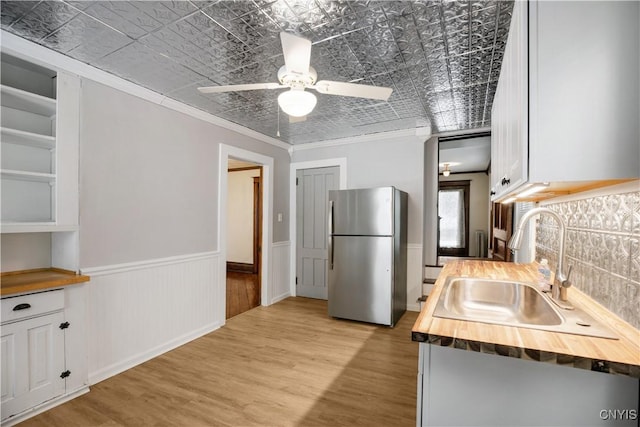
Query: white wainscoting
[[280, 271], [137, 311], [414, 276]]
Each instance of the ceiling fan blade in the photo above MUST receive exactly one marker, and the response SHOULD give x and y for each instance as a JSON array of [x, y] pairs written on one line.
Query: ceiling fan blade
[[353, 89], [297, 53], [293, 119], [237, 88]]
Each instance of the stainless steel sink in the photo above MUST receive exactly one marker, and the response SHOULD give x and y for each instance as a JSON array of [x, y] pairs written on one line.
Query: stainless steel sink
[[512, 303], [495, 301]]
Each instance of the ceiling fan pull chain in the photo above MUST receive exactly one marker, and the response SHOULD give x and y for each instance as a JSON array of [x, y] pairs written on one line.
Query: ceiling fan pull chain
[[278, 132]]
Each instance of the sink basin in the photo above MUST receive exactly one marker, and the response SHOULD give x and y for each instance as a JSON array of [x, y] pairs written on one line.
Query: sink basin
[[496, 301], [512, 303]]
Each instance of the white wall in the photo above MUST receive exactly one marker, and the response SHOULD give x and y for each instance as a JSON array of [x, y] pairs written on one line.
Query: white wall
[[396, 161], [25, 251], [391, 160], [478, 204], [149, 190], [149, 179], [240, 216], [430, 183]]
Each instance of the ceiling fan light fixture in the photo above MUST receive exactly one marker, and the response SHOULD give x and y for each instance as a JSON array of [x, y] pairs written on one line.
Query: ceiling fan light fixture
[[297, 102], [446, 170]]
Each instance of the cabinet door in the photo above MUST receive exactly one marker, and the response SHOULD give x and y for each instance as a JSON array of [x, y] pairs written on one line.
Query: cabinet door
[[496, 140], [509, 139], [32, 361], [517, 168]]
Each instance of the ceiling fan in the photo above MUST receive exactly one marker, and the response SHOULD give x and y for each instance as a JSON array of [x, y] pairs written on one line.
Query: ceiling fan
[[298, 75]]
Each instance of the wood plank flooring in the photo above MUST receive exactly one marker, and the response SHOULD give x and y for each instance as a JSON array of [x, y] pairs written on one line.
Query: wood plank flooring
[[289, 364], [243, 292]]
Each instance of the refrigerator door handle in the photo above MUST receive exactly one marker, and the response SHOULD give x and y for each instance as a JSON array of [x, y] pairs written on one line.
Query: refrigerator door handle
[[330, 242]]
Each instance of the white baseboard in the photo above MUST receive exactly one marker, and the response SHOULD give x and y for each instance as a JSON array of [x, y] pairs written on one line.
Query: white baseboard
[[43, 407], [129, 363], [280, 297]]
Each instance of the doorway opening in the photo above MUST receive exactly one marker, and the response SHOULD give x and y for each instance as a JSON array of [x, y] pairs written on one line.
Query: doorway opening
[[453, 215], [244, 236]]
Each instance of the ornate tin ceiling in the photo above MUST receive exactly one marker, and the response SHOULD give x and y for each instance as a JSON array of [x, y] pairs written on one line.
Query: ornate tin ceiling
[[442, 58]]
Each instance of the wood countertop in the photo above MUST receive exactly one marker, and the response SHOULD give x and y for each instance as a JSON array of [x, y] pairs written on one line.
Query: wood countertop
[[17, 282], [620, 356]]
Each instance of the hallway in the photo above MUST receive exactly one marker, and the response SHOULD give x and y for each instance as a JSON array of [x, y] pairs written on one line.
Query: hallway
[[243, 292]]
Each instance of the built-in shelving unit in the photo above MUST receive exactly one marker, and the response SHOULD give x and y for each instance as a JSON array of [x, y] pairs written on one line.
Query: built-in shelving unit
[[28, 137], [28, 176], [39, 130], [27, 101]]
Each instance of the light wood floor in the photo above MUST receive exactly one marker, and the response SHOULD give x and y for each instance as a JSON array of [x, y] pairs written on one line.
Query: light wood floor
[[284, 365], [243, 292]]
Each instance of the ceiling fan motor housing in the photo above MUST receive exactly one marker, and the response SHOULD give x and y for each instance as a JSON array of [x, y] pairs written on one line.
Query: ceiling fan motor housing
[[297, 80]]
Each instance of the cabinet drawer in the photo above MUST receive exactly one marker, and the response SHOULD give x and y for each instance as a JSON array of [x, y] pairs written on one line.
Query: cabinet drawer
[[20, 307]]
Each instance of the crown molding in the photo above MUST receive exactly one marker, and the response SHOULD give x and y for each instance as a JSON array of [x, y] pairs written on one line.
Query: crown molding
[[45, 57], [422, 133]]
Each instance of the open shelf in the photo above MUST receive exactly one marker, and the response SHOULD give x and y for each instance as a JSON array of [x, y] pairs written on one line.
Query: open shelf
[[20, 137], [27, 101], [28, 176], [35, 227]]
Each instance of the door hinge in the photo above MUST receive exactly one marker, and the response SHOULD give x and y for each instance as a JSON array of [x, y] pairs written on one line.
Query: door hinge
[[296, 280], [296, 181], [64, 325], [65, 374]]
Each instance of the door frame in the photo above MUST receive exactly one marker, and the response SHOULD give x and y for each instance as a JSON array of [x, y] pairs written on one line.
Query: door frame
[[341, 163], [226, 151], [256, 221]]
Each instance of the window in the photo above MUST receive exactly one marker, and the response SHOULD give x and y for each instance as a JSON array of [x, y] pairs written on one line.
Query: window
[[453, 214]]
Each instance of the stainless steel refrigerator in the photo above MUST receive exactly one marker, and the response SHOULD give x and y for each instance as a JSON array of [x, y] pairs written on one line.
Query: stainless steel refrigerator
[[367, 268]]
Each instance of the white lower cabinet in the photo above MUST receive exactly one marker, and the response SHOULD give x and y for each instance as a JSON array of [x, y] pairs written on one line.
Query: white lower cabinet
[[467, 388], [32, 362], [32, 351]]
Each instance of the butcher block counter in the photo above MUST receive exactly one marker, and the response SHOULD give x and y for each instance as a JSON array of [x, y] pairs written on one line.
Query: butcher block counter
[[20, 282], [621, 356]]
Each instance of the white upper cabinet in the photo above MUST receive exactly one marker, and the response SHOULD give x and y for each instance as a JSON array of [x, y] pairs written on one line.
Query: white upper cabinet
[[509, 124], [40, 134], [566, 108]]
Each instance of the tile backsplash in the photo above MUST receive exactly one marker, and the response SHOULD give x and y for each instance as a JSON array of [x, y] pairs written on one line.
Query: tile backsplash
[[603, 246]]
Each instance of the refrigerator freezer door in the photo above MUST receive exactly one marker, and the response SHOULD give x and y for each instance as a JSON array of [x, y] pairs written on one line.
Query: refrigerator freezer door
[[364, 212], [361, 281]]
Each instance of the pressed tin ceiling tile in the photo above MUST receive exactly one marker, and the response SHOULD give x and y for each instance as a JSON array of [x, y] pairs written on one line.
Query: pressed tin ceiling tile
[[441, 58]]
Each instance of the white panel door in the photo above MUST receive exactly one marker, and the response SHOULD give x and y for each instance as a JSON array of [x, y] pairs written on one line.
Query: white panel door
[[312, 190], [32, 362]]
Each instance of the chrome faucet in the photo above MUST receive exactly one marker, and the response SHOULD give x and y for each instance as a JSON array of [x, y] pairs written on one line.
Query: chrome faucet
[[561, 280]]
